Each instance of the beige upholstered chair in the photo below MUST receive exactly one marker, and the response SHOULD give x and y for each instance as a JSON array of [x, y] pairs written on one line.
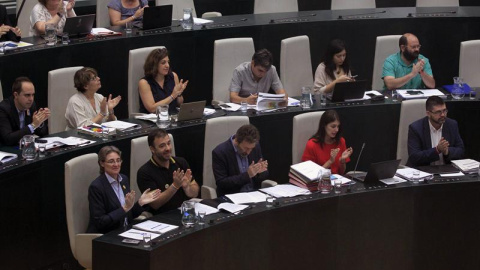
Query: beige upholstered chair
[[139, 154], [79, 173], [304, 126], [438, 3], [211, 14], [411, 111], [227, 55], [348, 4], [24, 19], [136, 59], [60, 89], [103, 19], [274, 6], [178, 6], [470, 62], [295, 64], [385, 46]]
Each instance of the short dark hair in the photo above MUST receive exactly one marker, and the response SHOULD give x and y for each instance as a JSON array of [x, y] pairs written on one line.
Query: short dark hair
[[83, 77], [433, 101], [157, 133], [263, 58], [335, 46], [17, 84], [150, 68], [104, 152], [327, 118], [404, 39], [248, 133]]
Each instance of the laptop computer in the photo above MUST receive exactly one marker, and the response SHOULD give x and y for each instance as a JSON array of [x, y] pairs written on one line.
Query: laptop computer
[[79, 25], [191, 110], [349, 90], [378, 171], [157, 17]]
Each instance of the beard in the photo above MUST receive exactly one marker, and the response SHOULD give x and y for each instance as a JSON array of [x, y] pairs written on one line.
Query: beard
[[410, 56]]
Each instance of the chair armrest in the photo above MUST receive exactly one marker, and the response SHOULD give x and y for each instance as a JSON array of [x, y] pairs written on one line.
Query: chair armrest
[[268, 183], [83, 248], [208, 192]]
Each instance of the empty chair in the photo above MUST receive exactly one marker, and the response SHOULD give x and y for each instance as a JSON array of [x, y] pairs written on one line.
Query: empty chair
[[102, 17], [385, 46], [410, 111], [438, 3], [470, 62], [60, 89], [304, 127], [227, 55], [24, 19], [211, 14], [136, 60], [295, 64], [79, 173], [348, 4], [178, 6], [273, 6]]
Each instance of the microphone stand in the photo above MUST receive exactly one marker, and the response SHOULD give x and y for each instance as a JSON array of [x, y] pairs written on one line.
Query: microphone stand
[[355, 169], [19, 11]]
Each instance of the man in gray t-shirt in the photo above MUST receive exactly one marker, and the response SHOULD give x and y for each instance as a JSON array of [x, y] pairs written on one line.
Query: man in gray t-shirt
[[250, 78]]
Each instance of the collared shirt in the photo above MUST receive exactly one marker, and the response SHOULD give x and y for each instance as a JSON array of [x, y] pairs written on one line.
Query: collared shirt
[[244, 83], [242, 166], [21, 116], [117, 188], [436, 136], [395, 67]]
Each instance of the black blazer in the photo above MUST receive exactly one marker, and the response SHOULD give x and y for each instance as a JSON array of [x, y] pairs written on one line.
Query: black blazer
[[106, 212], [10, 132], [227, 174], [10, 36]]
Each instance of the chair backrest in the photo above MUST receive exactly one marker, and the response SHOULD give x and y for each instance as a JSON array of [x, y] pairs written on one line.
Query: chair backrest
[[139, 154], [211, 14], [227, 55], [178, 6], [102, 16], [304, 126], [410, 111], [60, 89], [1, 91], [79, 173], [385, 46], [295, 65], [136, 60], [24, 19], [218, 130], [438, 3], [470, 62], [274, 6], [348, 4]]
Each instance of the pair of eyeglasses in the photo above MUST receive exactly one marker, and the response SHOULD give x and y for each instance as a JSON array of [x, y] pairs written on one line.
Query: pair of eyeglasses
[[416, 47], [439, 112], [113, 161], [94, 78]]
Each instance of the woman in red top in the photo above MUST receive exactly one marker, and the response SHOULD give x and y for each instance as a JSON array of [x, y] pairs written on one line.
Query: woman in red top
[[327, 147]]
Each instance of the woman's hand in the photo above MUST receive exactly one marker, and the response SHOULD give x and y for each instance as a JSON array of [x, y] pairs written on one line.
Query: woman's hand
[[70, 5], [346, 154], [139, 12], [112, 103], [149, 196], [129, 201], [333, 154], [179, 88], [343, 78]]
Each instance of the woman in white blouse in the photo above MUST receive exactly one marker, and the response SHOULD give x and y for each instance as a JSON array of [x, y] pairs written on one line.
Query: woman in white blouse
[[87, 106], [50, 11], [333, 68]]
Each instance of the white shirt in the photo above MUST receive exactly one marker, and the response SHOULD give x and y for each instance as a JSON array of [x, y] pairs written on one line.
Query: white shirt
[[436, 136]]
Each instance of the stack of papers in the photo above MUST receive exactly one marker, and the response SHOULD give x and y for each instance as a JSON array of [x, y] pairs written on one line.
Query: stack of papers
[[53, 142], [420, 93], [137, 234], [467, 165], [247, 197], [293, 102], [120, 125], [409, 174], [155, 227], [285, 190], [267, 101], [6, 157], [95, 130], [393, 181], [104, 32]]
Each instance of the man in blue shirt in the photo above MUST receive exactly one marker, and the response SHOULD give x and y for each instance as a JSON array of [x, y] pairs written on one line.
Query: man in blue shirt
[[408, 69]]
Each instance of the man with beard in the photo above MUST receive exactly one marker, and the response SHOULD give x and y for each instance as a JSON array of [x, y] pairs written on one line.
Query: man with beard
[[407, 69], [172, 175], [434, 139], [237, 163]]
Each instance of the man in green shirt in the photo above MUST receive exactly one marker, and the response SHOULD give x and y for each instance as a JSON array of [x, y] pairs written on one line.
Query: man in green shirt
[[407, 69]]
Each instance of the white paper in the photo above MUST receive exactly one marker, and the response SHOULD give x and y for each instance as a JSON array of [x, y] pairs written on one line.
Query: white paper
[[285, 190], [266, 101], [205, 208], [137, 234], [53, 142], [153, 226], [6, 157], [247, 197], [452, 174], [232, 208], [466, 165], [16, 44], [393, 181], [425, 93], [344, 179], [207, 111], [231, 107], [293, 102], [118, 125], [102, 31], [309, 169], [199, 21], [408, 174]]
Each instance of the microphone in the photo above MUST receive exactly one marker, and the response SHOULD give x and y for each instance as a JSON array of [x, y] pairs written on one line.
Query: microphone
[[445, 13], [358, 159], [19, 11], [296, 17], [205, 26], [340, 17]]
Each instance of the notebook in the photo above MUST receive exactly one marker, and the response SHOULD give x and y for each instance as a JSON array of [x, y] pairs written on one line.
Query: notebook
[[378, 171], [157, 17], [79, 25], [191, 110], [349, 90]]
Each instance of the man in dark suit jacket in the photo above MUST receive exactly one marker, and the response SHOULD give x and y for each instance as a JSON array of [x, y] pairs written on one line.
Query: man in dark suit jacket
[[434, 139], [7, 32], [237, 163], [19, 115]]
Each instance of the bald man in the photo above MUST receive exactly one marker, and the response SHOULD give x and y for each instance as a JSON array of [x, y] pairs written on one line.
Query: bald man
[[407, 69]]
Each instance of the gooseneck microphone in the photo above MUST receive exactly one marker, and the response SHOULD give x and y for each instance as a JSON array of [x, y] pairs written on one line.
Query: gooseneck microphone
[[19, 11], [295, 17], [358, 159], [340, 17], [434, 14]]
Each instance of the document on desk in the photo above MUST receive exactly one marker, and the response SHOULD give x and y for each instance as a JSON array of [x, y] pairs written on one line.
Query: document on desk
[[120, 125], [232, 208], [205, 208], [393, 181], [409, 174], [53, 142], [247, 197], [285, 190], [137, 234], [153, 226], [267, 101], [307, 170], [420, 93], [466, 165], [6, 157]]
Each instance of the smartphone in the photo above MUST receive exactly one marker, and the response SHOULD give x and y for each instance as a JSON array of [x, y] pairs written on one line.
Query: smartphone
[[414, 92], [37, 140]]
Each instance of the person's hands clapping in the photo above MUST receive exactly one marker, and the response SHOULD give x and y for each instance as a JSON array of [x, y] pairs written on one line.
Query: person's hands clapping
[[178, 178], [149, 196], [139, 12], [346, 154], [186, 179], [129, 201], [113, 102], [333, 154], [179, 88], [70, 5], [40, 116]]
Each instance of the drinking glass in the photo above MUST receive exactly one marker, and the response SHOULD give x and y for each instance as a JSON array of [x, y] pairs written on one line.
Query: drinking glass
[[457, 91], [306, 97], [269, 200], [128, 27], [244, 106], [187, 22], [201, 217], [146, 239], [338, 186], [50, 34], [65, 38]]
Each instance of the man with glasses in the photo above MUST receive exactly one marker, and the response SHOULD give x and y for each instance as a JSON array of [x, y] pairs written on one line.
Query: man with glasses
[[407, 69], [434, 139]]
